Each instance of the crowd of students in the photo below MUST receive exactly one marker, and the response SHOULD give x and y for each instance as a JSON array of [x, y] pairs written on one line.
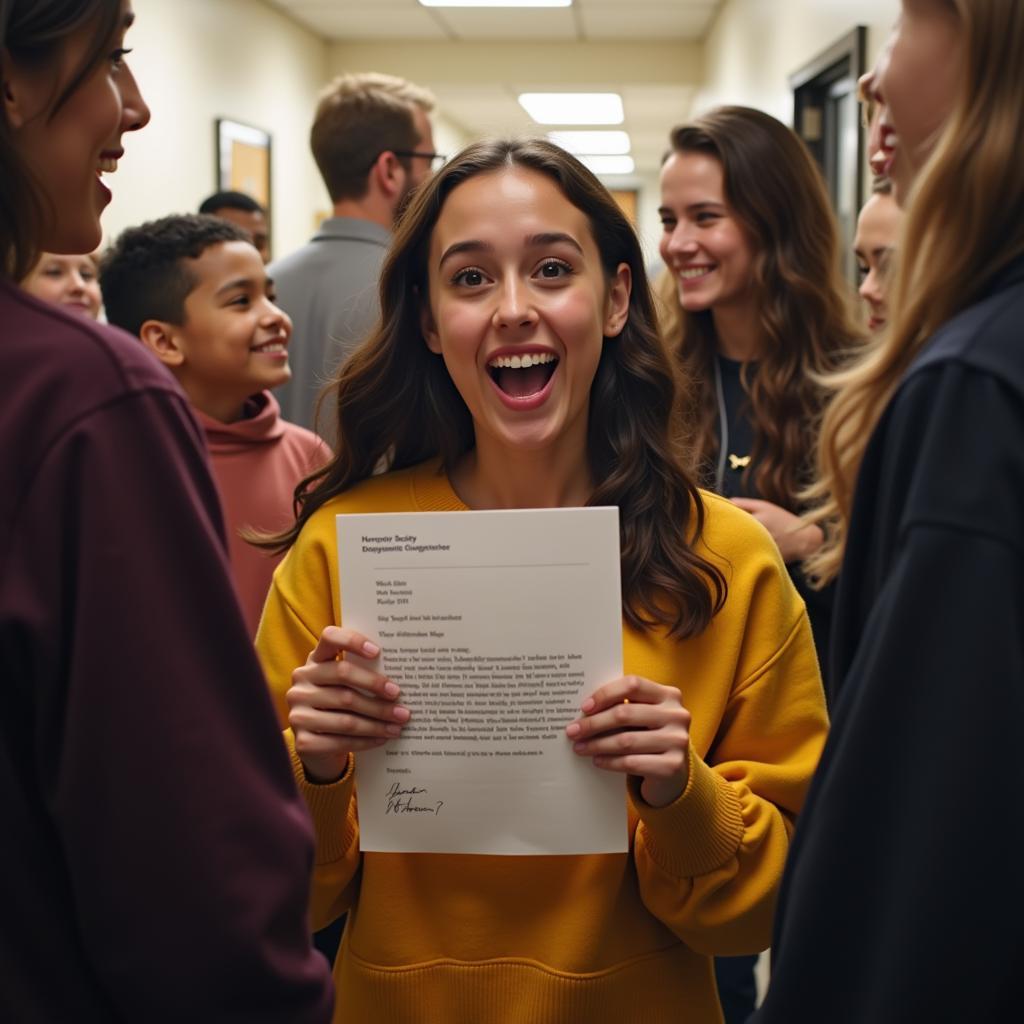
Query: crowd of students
[[799, 497]]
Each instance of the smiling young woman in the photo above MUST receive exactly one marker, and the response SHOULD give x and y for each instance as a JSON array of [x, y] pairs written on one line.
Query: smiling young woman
[[63, 121], [517, 366], [759, 316], [756, 316]]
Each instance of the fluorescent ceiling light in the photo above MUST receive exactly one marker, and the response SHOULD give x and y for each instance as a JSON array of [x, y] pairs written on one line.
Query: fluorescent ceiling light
[[573, 107], [612, 143], [496, 3], [604, 164]]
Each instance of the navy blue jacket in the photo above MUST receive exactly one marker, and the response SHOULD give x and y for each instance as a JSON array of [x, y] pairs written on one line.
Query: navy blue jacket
[[903, 898]]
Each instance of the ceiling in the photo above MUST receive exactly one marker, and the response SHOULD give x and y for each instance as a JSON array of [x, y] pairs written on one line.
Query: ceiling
[[585, 20], [651, 110], [633, 47]]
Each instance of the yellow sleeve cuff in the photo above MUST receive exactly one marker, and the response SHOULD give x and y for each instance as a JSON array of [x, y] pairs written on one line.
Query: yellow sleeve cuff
[[329, 807], [699, 832]]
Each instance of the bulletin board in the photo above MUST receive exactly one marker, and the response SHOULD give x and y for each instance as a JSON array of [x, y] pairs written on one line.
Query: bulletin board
[[243, 160]]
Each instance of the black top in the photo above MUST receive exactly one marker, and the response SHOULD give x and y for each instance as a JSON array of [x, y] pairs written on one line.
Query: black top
[[156, 855], [732, 476], [902, 898], [732, 481]]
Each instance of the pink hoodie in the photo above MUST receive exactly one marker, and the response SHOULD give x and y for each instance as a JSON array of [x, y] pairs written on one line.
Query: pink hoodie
[[257, 461]]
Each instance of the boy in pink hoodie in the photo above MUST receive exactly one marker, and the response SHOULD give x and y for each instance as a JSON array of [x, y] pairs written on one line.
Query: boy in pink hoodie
[[194, 289]]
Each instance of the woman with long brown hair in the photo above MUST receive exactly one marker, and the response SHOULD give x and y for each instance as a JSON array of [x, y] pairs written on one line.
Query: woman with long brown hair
[[756, 316], [516, 365], [752, 249], [903, 897]]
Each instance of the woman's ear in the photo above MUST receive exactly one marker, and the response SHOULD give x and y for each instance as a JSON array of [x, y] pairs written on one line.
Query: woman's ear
[[21, 96], [159, 338], [617, 303], [429, 328]]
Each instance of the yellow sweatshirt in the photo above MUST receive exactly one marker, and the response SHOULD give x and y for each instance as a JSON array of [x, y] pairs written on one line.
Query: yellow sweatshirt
[[450, 939]]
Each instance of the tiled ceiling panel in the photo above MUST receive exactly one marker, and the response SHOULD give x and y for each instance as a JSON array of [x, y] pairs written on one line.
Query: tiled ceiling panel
[[586, 19], [488, 106], [489, 110], [366, 19], [664, 20], [508, 23]]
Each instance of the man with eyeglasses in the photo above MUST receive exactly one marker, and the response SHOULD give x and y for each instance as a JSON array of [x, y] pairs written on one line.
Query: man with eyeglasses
[[373, 143]]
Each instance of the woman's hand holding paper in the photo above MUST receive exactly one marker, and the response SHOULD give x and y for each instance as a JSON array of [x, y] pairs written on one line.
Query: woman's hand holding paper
[[338, 706], [641, 728]]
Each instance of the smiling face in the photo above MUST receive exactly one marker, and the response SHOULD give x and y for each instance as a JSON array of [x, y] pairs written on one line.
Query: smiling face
[[233, 342], [519, 307], [878, 227], [66, 150], [68, 281], [703, 243], [918, 85]]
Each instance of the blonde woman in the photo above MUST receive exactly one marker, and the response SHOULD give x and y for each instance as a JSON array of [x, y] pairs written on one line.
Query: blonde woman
[[903, 897], [72, 282]]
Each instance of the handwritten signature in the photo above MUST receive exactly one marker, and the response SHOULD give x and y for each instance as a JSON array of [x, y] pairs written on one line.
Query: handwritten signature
[[401, 801]]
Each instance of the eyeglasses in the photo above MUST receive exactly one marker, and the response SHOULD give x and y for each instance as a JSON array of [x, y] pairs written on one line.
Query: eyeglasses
[[437, 160]]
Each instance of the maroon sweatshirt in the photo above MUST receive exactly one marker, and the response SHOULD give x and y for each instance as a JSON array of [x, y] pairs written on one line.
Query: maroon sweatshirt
[[156, 857]]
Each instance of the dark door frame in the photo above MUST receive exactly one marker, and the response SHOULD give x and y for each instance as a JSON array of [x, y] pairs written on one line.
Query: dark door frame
[[817, 86]]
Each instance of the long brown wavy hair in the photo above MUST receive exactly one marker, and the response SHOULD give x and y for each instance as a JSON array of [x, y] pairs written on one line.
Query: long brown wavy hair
[[964, 226], [395, 402], [774, 189], [31, 32]]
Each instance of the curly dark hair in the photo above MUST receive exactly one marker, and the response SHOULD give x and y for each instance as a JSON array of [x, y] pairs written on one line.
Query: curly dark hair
[[230, 200], [394, 400], [145, 274], [778, 195]]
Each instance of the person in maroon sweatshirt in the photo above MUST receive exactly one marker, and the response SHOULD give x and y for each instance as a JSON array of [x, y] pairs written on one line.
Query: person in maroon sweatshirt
[[155, 855]]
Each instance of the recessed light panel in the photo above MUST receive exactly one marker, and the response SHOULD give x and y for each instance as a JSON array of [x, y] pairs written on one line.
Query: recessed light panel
[[496, 3], [573, 107], [610, 143], [608, 164]]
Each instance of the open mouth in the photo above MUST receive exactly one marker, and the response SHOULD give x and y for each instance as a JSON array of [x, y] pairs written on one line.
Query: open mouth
[[521, 376], [882, 161]]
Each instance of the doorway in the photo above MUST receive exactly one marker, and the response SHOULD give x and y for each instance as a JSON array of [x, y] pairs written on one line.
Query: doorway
[[826, 116]]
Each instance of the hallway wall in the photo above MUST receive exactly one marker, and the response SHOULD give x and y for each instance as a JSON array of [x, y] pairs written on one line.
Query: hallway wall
[[197, 60], [755, 45]]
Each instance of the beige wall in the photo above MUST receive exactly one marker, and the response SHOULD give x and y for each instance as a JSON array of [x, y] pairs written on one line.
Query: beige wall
[[197, 60], [755, 45], [563, 64]]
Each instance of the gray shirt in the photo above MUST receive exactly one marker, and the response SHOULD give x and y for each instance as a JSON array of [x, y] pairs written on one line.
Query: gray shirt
[[329, 289]]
